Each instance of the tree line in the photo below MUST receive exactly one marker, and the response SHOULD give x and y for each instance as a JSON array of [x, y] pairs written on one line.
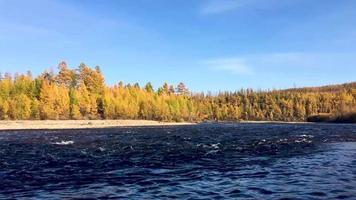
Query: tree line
[[81, 93]]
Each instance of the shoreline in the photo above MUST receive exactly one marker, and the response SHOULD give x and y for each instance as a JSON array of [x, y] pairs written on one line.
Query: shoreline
[[81, 124], [101, 124], [262, 122]]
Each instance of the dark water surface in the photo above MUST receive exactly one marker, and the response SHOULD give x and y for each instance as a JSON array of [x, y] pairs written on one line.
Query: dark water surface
[[251, 161]]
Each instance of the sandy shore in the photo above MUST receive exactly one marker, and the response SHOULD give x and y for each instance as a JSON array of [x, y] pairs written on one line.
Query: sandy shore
[[79, 124]]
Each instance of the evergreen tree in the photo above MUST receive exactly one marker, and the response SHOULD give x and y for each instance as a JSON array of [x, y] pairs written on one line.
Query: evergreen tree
[[182, 89], [149, 88]]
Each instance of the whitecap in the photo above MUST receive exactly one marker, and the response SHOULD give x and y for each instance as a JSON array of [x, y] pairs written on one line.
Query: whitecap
[[303, 141], [282, 140], [308, 136], [65, 142], [261, 142], [215, 146]]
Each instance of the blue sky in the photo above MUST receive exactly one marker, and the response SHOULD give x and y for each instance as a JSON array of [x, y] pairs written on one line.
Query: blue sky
[[208, 44]]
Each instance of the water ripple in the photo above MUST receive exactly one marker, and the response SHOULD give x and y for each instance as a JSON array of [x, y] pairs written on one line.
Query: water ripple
[[256, 161]]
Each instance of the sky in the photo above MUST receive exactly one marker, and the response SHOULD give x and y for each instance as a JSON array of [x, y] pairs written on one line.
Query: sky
[[210, 45]]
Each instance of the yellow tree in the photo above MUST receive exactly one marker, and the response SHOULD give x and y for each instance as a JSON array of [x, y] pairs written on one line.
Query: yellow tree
[[35, 109], [93, 79], [94, 82], [66, 76], [6, 86], [73, 105], [62, 102], [20, 107], [48, 101], [84, 101], [4, 108], [109, 105], [93, 112], [345, 102]]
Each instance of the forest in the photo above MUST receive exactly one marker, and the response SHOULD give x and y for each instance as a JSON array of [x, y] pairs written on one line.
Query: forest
[[81, 93]]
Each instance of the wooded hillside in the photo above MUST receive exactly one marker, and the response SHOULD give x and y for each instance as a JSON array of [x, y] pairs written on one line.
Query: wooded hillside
[[82, 94]]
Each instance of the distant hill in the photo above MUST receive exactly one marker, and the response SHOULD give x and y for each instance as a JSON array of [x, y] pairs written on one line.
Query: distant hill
[[327, 88]]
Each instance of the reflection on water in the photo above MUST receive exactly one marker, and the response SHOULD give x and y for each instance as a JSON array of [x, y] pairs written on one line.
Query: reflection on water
[[257, 161]]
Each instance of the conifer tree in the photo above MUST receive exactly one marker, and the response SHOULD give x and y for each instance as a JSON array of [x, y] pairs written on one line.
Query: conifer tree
[[182, 89], [81, 94], [74, 110], [48, 96], [149, 88], [35, 109], [62, 102], [4, 108], [84, 101], [66, 76], [20, 107]]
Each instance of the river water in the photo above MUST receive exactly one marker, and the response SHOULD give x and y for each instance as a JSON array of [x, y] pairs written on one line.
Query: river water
[[208, 161]]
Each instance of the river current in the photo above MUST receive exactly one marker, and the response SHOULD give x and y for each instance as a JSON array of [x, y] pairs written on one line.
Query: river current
[[207, 161]]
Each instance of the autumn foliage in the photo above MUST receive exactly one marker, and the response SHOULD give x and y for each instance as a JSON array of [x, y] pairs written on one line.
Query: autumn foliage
[[82, 94]]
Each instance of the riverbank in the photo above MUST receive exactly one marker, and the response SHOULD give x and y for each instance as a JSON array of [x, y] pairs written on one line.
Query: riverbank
[[333, 118], [92, 124], [81, 124]]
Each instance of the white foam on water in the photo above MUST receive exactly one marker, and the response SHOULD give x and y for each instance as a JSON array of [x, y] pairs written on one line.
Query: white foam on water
[[309, 136], [65, 142], [215, 146], [262, 142], [283, 140], [303, 141]]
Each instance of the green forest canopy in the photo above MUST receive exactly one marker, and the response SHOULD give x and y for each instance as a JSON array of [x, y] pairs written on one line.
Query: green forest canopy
[[82, 94]]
